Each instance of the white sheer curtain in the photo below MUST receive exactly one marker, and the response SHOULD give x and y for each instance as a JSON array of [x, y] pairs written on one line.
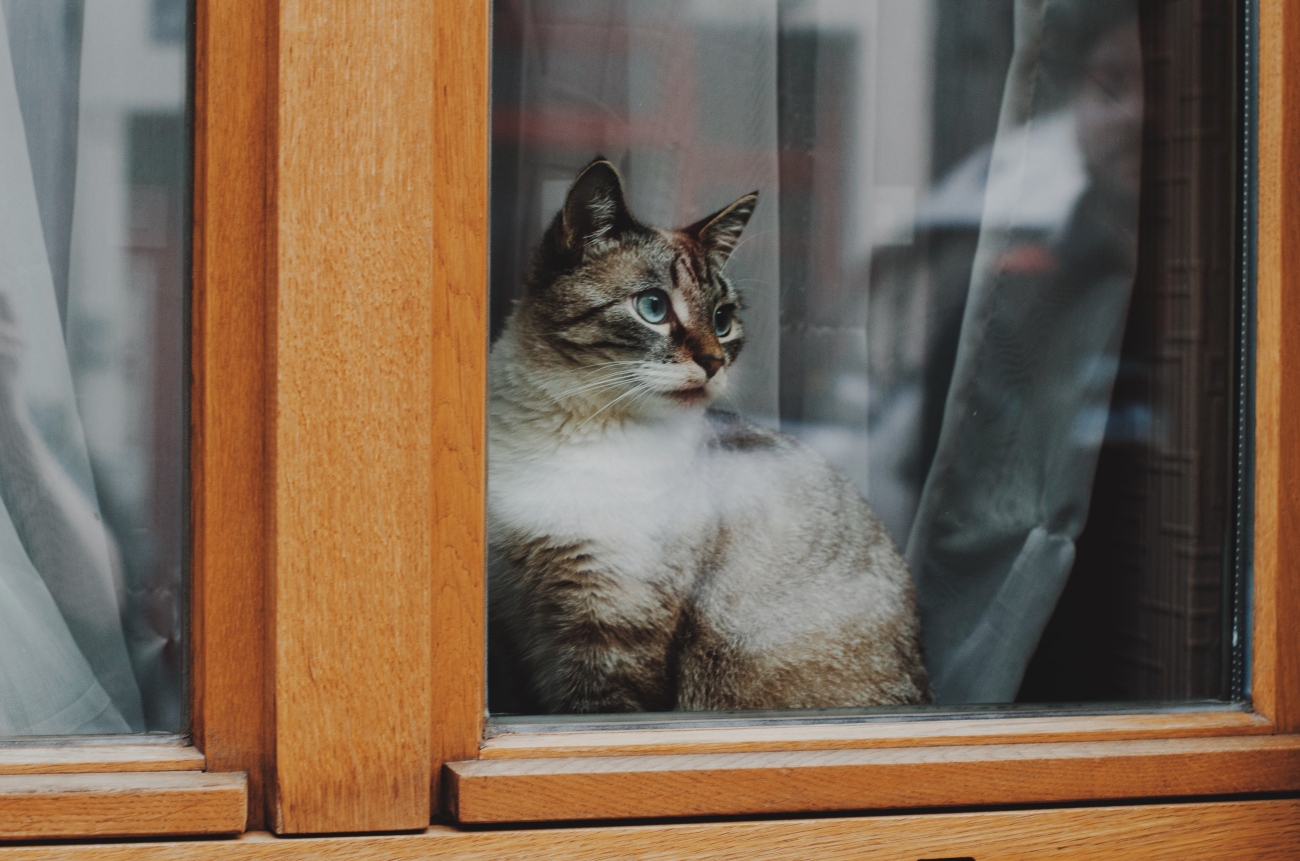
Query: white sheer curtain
[[64, 666]]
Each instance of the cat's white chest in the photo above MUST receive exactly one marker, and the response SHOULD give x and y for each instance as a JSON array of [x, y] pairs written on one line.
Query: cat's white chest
[[623, 493]]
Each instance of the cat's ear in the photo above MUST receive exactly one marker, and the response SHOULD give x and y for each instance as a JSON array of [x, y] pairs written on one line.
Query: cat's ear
[[720, 232], [595, 211]]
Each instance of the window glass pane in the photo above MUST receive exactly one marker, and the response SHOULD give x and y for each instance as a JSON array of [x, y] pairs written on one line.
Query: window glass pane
[[986, 285], [94, 150]]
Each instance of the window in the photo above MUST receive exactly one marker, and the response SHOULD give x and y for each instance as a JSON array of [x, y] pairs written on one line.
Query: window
[[93, 297], [554, 769], [339, 365], [977, 281]]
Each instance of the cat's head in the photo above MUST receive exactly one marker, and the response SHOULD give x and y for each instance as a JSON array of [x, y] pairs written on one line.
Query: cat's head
[[634, 318]]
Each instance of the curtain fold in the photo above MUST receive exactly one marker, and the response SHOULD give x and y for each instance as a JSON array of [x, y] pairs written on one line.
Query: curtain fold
[[64, 666], [1008, 490]]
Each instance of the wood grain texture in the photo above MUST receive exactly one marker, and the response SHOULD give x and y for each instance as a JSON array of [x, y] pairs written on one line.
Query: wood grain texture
[[460, 243], [228, 394], [34, 807], [1276, 660], [619, 787], [873, 735], [88, 759], [1242, 831], [350, 448]]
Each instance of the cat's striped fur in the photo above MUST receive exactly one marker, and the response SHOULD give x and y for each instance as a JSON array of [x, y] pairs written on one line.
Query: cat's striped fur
[[647, 553]]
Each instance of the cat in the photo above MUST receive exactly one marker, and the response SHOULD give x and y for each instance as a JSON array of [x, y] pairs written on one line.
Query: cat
[[646, 552]]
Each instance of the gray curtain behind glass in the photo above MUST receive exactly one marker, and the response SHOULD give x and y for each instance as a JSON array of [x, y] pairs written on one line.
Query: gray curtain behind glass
[[45, 48], [64, 666], [1008, 490]]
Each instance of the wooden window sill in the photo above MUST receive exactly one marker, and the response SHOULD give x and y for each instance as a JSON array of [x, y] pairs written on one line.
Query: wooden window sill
[[79, 758], [612, 741], [1185, 832], [121, 804], [897, 778]]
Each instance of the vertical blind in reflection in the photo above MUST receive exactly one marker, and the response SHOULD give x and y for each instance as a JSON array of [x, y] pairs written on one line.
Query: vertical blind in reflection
[[939, 275], [93, 152]]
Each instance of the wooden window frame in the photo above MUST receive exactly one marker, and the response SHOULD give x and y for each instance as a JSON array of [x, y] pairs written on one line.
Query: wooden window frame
[[622, 774], [338, 461]]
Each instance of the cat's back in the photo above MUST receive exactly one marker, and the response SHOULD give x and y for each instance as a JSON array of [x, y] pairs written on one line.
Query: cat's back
[[769, 474], [797, 510], [804, 585]]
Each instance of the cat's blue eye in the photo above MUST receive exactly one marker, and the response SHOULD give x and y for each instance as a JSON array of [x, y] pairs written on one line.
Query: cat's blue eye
[[652, 305], [722, 320]]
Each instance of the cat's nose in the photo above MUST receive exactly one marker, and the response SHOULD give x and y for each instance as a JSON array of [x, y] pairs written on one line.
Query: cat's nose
[[709, 362]]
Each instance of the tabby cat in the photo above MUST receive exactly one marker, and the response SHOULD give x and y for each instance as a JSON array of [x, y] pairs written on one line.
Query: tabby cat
[[647, 553]]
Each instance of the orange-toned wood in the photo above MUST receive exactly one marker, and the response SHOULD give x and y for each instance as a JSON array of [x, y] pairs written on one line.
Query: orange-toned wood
[[350, 454], [1257, 830], [620, 787], [742, 739], [34, 807], [87, 759], [228, 396], [1277, 652], [460, 242], [1276, 666]]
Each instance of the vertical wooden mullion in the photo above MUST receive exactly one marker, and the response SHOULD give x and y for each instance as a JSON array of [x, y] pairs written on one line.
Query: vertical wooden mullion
[[460, 160], [228, 391], [350, 478], [1276, 664]]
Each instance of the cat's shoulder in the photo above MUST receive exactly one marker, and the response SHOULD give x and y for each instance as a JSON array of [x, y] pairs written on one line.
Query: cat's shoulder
[[733, 433], [762, 451]]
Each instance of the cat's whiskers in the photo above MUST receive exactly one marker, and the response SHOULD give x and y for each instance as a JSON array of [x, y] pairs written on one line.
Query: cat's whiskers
[[637, 389], [605, 382], [645, 396], [608, 375], [588, 396], [604, 367]]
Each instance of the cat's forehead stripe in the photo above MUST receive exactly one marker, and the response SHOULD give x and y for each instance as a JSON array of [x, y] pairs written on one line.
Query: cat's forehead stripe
[[680, 308], [685, 275], [688, 273], [689, 284], [692, 255]]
